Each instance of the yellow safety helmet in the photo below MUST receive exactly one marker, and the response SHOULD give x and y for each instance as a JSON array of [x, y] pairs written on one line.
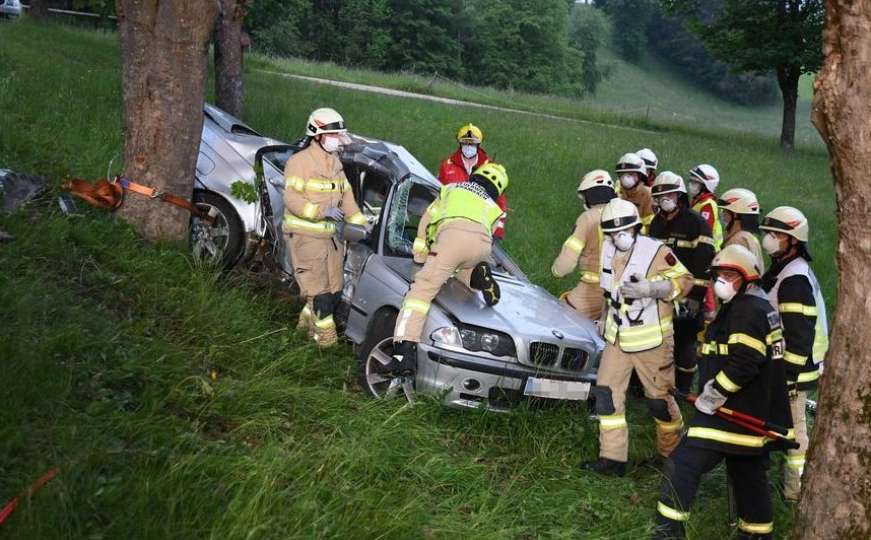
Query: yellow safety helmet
[[595, 178], [786, 220], [667, 182], [619, 214], [495, 173], [740, 259], [739, 201], [470, 134], [324, 120]]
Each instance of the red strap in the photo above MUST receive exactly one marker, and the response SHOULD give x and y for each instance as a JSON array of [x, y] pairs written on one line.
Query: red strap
[[13, 504]]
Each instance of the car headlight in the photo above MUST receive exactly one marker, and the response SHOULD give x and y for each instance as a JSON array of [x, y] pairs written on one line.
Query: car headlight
[[476, 339], [447, 335]]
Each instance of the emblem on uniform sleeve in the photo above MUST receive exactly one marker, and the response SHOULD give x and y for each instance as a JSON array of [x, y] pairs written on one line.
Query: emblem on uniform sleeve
[[671, 260], [773, 320]]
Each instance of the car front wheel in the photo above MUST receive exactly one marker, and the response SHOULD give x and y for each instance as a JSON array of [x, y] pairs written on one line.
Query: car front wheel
[[222, 241], [373, 358]]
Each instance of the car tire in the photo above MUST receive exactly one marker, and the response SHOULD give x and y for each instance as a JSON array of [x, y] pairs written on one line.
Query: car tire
[[376, 349], [222, 242]]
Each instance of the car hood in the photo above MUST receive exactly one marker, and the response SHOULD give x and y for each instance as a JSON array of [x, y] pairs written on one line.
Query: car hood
[[525, 309]]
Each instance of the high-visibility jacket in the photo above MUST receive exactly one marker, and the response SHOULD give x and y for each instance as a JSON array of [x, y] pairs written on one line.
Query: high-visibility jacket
[[453, 171], [742, 352], [642, 199], [689, 236], [793, 288], [583, 248], [640, 324], [314, 183], [706, 205]]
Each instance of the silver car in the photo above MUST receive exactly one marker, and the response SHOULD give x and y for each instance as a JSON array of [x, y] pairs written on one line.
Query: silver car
[[10, 8], [529, 344]]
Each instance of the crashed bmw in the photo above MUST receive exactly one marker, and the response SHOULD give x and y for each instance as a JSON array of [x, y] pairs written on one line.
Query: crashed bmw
[[472, 355]]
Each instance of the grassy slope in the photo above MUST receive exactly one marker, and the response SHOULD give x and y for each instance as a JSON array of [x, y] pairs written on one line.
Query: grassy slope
[[107, 345]]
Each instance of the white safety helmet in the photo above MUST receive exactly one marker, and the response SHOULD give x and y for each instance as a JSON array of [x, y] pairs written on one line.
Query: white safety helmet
[[631, 163], [706, 175], [786, 220], [650, 160], [739, 201], [596, 178], [325, 120], [740, 259], [667, 182], [619, 214]]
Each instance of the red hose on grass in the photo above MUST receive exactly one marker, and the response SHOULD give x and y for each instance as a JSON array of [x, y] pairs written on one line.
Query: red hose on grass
[[13, 504]]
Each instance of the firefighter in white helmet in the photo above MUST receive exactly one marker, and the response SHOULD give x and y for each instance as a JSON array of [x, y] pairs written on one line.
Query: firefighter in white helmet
[[739, 214], [650, 164], [740, 367], [640, 278], [703, 182], [688, 235], [581, 250], [794, 290], [631, 173], [317, 197]]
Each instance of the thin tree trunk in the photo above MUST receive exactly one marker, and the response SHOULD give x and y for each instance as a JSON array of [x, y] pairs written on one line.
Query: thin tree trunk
[[228, 56], [38, 8], [787, 79], [836, 499], [164, 52]]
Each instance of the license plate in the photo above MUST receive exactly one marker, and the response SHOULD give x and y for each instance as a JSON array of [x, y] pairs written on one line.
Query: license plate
[[552, 389]]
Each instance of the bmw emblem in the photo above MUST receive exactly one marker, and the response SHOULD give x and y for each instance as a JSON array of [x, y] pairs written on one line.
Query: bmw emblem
[[557, 334]]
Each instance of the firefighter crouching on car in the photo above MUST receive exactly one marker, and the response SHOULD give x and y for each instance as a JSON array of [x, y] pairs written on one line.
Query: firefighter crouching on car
[[794, 290], [640, 278], [688, 235], [739, 212], [632, 174], [454, 235], [317, 195], [740, 367], [581, 250]]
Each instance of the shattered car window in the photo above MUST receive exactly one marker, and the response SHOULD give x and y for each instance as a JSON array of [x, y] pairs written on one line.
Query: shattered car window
[[408, 205]]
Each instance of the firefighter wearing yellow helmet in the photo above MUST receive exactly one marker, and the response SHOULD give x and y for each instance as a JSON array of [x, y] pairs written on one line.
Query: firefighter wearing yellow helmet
[[794, 290], [581, 250], [317, 196], [741, 368], [640, 278], [454, 236]]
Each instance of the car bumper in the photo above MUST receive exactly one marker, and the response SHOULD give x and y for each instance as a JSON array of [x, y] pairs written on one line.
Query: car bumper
[[470, 381]]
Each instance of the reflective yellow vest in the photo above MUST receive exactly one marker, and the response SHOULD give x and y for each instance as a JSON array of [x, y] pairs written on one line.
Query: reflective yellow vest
[[718, 227], [463, 201], [800, 267]]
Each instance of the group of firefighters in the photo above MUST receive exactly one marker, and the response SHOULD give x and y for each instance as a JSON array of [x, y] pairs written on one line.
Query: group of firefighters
[[672, 273]]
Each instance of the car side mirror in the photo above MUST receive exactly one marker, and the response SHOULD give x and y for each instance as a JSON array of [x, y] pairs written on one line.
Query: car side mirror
[[354, 233]]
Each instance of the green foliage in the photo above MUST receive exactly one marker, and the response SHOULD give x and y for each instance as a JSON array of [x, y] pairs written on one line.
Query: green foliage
[[630, 19], [244, 191], [589, 29]]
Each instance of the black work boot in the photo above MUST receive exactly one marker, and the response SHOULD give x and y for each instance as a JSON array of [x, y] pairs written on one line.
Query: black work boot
[[605, 466], [404, 359], [482, 279]]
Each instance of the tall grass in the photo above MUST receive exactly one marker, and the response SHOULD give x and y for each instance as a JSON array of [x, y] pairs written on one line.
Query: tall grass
[[182, 404]]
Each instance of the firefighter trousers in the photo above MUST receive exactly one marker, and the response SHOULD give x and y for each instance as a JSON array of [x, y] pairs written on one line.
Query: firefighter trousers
[[655, 368], [317, 268], [795, 458], [686, 342], [684, 471], [460, 245]]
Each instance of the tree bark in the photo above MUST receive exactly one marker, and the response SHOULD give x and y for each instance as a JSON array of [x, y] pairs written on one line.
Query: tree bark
[[787, 79], [38, 8], [164, 53], [836, 500], [229, 51]]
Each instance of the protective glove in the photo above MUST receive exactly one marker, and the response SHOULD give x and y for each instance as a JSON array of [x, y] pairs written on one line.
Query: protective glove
[[694, 308], [710, 399], [638, 287], [334, 213]]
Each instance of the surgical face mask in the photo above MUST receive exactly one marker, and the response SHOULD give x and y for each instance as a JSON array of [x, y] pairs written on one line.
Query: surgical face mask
[[628, 180], [770, 244], [724, 289], [331, 144], [469, 150], [623, 240], [667, 204], [694, 189]]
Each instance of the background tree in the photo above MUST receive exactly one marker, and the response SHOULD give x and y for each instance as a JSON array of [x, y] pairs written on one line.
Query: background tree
[[758, 36], [164, 54], [38, 8], [589, 28], [836, 498], [229, 50]]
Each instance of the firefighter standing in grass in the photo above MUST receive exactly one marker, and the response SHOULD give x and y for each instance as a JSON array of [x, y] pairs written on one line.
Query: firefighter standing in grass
[[651, 162], [688, 234], [640, 278], [454, 235], [581, 250], [794, 290], [739, 213], [703, 182], [740, 367], [317, 196], [632, 172]]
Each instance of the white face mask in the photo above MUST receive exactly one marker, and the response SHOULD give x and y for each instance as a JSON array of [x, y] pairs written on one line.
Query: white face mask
[[667, 205], [724, 290], [628, 180], [331, 144], [469, 150], [694, 189], [623, 240], [770, 244]]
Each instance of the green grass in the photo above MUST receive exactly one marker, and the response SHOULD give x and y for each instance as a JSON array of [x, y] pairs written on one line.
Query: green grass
[[108, 344]]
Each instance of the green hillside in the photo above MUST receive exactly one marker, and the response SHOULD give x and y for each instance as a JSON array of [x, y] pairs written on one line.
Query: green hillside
[[110, 344]]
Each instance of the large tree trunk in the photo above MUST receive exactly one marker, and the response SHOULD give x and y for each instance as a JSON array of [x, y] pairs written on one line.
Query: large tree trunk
[[787, 79], [164, 53], [836, 499], [228, 56], [38, 8]]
